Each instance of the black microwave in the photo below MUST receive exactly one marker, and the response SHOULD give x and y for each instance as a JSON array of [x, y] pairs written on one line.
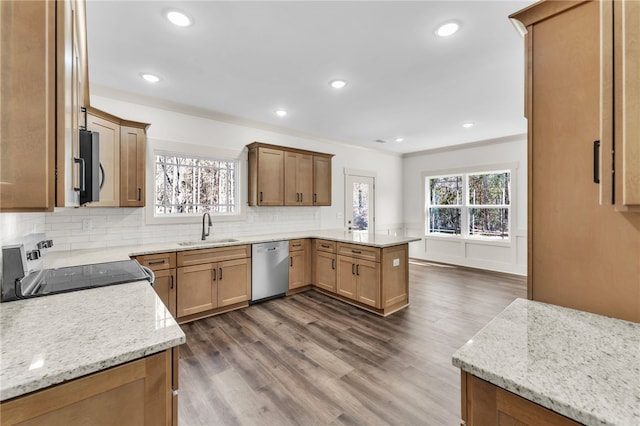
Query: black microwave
[[90, 166]]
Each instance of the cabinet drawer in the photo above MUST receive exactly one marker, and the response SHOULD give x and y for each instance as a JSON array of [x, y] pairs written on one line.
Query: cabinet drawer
[[325, 245], [158, 261], [359, 252], [197, 257], [296, 245]]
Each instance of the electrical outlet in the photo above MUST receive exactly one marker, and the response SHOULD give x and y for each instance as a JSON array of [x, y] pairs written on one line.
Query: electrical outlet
[[396, 262], [87, 224]]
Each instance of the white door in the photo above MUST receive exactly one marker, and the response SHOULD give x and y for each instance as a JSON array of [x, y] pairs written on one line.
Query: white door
[[359, 203]]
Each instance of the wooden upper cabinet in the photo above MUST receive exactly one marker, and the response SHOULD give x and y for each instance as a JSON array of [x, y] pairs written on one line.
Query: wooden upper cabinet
[[281, 176], [582, 255], [132, 166], [321, 180], [298, 179], [28, 102], [109, 160], [626, 144], [266, 177]]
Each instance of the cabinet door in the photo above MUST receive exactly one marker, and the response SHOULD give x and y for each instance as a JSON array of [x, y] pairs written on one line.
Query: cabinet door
[[28, 102], [270, 177], [368, 279], [297, 260], [291, 194], [305, 179], [165, 287], [346, 277], [325, 271], [321, 181], [234, 281], [109, 159], [196, 289], [132, 166]]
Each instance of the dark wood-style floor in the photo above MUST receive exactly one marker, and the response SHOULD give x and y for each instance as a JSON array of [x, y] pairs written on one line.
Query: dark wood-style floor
[[311, 360]]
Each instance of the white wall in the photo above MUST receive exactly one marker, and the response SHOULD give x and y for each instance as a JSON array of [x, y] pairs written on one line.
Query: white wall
[[511, 257], [123, 226]]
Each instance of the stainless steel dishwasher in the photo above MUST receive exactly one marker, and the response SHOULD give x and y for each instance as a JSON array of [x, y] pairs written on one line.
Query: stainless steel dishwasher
[[269, 270]]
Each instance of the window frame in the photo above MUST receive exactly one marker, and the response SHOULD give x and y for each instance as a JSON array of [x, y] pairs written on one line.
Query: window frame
[[159, 147], [465, 172]]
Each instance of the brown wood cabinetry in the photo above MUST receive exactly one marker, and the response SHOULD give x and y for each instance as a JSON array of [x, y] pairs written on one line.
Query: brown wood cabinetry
[[164, 267], [281, 176], [582, 254], [299, 263], [138, 392], [122, 155], [298, 179], [43, 86], [484, 404], [132, 166], [324, 265], [371, 277], [211, 281], [266, 176]]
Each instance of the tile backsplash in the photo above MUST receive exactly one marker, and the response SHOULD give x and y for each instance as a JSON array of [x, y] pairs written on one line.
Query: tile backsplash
[[83, 228]]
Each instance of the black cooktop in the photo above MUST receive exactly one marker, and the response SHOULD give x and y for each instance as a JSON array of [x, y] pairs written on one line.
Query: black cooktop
[[81, 277]]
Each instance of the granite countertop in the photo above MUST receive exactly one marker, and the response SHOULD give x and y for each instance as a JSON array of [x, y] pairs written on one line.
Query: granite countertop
[[59, 259], [49, 340], [581, 365]]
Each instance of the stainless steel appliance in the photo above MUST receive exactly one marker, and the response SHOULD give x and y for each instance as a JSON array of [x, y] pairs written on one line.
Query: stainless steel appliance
[[23, 275], [269, 270]]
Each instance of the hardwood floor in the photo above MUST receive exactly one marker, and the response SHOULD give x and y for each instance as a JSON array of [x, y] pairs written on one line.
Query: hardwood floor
[[311, 360]]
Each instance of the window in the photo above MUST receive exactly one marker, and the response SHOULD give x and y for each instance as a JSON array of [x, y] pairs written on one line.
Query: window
[[473, 205], [194, 185]]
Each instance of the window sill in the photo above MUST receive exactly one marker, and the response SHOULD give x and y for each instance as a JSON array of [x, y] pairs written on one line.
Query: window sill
[[467, 240]]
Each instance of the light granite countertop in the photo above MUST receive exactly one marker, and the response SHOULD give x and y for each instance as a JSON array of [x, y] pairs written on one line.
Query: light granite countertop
[[49, 340], [581, 365], [59, 259]]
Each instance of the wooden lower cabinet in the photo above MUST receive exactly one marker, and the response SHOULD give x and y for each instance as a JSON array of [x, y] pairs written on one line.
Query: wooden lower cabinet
[[205, 287], [359, 280], [484, 404], [164, 267], [325, 268], [136, 393], [299, 263]]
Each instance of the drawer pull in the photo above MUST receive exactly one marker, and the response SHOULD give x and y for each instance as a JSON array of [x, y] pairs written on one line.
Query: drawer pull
[[157, 262], [356, 251], [325, 246], [296, 245]]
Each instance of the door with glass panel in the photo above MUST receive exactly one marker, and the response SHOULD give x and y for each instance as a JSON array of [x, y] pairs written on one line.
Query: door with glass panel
[[360, 203]]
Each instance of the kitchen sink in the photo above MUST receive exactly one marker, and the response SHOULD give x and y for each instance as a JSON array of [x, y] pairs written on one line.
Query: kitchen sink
[[207, 242]]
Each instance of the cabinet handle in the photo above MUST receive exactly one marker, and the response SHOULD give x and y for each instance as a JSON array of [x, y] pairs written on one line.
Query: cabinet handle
[[297, 197], [156, 262], [139, 194], [82, 173], [356, 251], [353, 269], [301, 197], [220, 278], [296, 245], [333, 264], [171, 276], [315, 197], [325, 245], [291, 262], [260, 196], [357, 269], [596, 161], [215, 272]]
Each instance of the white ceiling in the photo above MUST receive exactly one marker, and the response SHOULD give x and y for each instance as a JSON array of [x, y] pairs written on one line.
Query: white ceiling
[[247, 59]]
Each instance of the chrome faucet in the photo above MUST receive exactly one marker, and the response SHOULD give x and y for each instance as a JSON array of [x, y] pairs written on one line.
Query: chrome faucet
[[205, 235]]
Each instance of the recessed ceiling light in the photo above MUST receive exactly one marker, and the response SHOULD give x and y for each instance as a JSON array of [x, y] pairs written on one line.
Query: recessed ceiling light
[[179, 18], [338, 84], [467, 125], [447, 29], [151, 78], [281, 113], [399, 140]]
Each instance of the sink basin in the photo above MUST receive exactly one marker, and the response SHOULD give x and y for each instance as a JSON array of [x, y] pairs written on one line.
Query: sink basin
[[207, 242]]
